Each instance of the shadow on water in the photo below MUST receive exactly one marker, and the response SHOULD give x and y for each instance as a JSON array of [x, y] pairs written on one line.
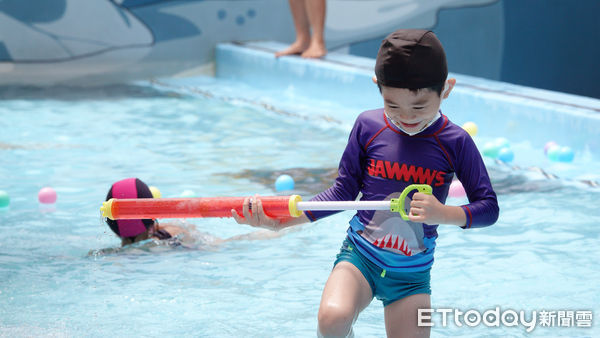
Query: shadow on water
[[514, 179], [308, 181], [68, 93], [506, 180]]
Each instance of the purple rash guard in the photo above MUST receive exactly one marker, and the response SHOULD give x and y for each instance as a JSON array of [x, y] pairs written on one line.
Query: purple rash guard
[[380, 160]]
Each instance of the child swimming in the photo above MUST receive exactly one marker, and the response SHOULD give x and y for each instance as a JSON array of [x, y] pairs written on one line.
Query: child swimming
[[174, 233], [135, 230]]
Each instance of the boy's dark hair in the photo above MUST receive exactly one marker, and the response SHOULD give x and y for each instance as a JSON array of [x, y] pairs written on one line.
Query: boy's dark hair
[[412, 59]]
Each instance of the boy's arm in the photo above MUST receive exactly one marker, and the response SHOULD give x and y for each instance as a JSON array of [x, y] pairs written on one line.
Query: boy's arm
[[349, 181], [261, 220], [482, 209], [345, 188], [425, 208]]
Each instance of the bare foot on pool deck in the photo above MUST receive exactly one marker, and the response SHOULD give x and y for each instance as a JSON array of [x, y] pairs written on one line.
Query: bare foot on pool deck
[[309, 17], [295, 48], [315, 50]]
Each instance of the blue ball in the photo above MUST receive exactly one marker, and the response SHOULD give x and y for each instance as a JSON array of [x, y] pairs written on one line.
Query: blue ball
[[284, 182], [506, 155], [566, 154]]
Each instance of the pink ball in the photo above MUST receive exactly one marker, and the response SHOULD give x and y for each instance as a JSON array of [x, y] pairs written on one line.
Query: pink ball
[[47, 195], [456, 190], [548, 146]]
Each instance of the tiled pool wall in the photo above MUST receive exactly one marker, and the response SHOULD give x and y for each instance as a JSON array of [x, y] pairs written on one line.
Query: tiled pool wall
[[499, 109]]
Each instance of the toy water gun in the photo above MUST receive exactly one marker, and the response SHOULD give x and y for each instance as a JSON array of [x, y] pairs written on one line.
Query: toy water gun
[[273, 206]]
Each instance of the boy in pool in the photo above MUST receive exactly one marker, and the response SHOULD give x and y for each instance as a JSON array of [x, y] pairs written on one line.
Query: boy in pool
[[407, 141]]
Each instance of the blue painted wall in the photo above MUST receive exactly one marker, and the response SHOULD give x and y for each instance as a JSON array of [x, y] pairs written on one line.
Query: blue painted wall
[[549, 44], [553, 44]]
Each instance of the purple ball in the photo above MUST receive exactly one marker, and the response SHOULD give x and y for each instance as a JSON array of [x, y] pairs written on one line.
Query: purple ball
[[548, 146]]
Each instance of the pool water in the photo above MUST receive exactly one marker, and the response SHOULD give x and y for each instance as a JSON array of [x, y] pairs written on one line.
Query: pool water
[[62, 272]]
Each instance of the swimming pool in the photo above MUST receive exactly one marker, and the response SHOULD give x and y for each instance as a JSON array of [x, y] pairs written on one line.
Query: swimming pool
[[222, 137]]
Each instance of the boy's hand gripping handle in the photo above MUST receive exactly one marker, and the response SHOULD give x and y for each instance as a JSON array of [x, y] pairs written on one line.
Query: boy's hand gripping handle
[[397, 204]]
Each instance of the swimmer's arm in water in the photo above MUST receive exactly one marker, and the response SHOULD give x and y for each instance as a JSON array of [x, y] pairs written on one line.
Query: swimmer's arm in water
[[259, 219], [185, 234], [175, 230], [261, 234], [172, 229]]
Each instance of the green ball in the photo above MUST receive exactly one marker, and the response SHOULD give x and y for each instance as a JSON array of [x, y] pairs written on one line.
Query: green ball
[[491, 149], [553, 153], [4, 199]]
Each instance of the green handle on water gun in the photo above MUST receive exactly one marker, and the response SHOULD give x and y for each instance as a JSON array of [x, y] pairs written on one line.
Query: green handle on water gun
[[397, 204]]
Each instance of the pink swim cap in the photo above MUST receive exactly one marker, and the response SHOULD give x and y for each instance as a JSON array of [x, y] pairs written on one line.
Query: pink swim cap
[[129, 188]]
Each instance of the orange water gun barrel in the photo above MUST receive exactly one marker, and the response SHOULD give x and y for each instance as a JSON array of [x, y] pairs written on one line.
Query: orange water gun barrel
[[200, 207], [281, 207]]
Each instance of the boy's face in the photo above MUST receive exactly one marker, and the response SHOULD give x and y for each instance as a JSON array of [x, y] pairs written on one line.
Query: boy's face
[[412, 110]]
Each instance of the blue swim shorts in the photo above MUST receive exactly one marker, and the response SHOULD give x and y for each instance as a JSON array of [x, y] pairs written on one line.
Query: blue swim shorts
[[387, 286]]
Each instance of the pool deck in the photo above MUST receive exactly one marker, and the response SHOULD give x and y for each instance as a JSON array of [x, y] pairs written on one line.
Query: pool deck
[[498, 108]]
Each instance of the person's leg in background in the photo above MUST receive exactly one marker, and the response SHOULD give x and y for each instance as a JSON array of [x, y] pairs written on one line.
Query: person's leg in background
[[316, 17], [308, 15]]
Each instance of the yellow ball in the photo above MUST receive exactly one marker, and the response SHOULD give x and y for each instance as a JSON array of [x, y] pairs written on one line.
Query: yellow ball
[[155, 192], [471, 128]]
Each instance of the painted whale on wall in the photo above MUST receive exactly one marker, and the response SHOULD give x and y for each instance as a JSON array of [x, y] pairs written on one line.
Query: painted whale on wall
[[103, 41]]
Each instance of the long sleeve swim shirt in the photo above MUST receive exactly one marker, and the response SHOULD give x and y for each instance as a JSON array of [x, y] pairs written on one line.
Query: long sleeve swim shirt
[[380, 160]]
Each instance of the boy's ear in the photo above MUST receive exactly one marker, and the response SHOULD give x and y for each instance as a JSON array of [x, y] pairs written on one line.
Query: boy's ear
[[374, 78], [448, 87]]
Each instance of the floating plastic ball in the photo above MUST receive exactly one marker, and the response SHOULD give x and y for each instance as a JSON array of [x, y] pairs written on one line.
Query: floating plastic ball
[[471, 128], [188, 194], [565, 154], [47, 195], [456, 190], [506, 155], [155, 192], [548, 146], [4, 199], [492, 148], [284, 182], [553, 153]]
